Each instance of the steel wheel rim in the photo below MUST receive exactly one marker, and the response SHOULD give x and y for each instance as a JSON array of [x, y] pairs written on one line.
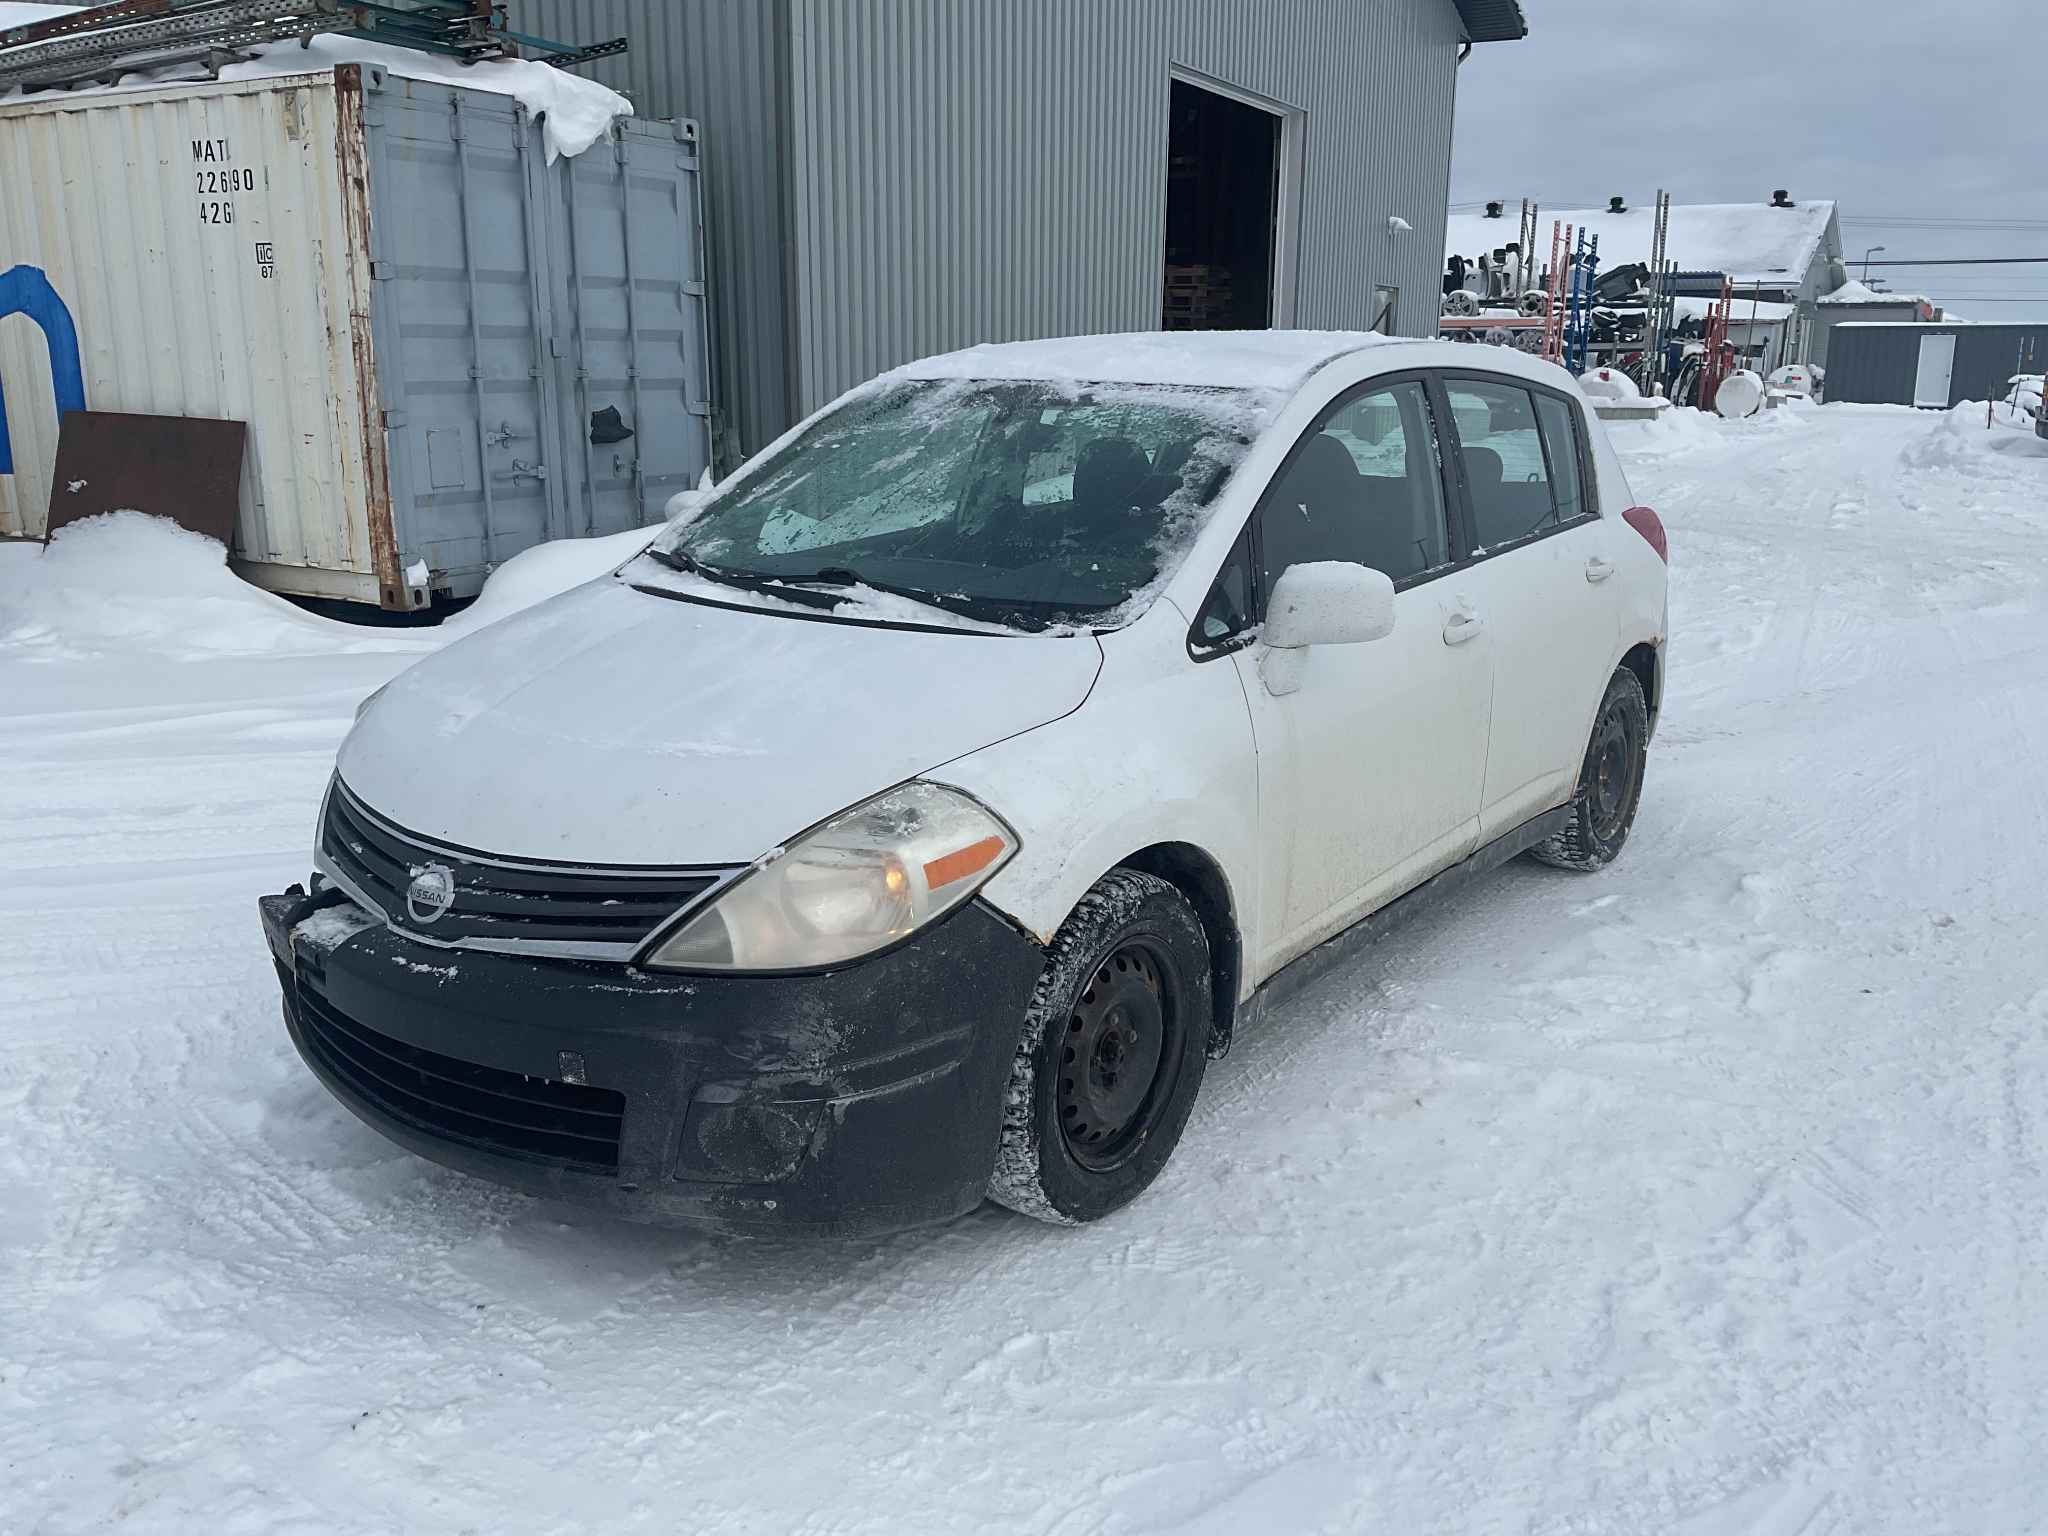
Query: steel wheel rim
[[1119, 1056], [1610, 790]]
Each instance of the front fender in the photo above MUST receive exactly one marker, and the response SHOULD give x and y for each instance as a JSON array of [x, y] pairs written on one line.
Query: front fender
[[1160, 753]]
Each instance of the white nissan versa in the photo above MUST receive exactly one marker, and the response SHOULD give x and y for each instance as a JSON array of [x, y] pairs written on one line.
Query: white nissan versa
[[910, 822]]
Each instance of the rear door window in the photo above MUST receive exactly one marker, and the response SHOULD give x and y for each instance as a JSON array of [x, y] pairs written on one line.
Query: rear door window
[[1507, 474]]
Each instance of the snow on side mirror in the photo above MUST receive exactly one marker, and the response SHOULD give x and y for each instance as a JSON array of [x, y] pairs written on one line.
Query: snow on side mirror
[[1329, 602], [683, 506]]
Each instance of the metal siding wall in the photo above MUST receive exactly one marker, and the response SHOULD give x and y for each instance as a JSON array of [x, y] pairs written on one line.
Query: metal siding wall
[[1989, 355], [1870, 366], [981, 173], [720, 62]]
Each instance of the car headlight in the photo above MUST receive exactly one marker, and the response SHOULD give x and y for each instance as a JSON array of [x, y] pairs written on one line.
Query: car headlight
[[858, 883]]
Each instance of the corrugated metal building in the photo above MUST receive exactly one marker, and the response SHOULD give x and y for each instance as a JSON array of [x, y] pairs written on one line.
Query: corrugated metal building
[[891, 178], [1935, 365]]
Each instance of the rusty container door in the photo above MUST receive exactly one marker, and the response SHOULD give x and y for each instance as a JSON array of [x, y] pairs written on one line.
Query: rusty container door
[[465, 329]]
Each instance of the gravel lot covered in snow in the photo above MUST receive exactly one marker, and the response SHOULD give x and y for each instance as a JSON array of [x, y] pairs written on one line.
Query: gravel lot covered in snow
[[1706, 1195]]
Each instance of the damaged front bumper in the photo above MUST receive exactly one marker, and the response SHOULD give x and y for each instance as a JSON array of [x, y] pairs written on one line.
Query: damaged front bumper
[[852, 1101]]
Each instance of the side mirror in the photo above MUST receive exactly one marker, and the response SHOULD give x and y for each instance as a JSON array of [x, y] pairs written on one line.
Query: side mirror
[[1329, 602], [683, 506]]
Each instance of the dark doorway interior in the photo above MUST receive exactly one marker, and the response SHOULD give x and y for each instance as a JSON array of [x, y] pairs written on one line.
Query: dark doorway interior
[[1222, 173]]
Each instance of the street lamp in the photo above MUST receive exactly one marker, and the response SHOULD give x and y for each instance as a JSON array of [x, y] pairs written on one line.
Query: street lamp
[[1866, 260]]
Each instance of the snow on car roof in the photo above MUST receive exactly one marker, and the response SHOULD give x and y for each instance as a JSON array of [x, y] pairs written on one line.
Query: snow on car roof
[[1751, 242], [1230, 359], [1270, 361]]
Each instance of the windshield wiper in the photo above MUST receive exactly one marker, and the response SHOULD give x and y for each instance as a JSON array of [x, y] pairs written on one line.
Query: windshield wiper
[[800, 587], [748, 581], [989, 610]]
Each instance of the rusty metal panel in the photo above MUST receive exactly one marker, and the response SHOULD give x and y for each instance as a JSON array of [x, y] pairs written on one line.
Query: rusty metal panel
[[180, 467], [195, 240]]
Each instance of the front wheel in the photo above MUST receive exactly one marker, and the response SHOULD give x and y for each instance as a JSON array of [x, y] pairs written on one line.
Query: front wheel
[[1111, 1055], [1610, 785]]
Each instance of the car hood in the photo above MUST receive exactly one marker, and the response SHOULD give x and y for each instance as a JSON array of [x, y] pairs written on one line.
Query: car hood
[[612, 726]]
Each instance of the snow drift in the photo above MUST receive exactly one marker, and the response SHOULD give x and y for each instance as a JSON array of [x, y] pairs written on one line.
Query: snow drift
[[131, 583], [128, 582]]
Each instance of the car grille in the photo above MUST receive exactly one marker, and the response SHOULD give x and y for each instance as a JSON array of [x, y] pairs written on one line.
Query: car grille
[[600, 913], [535, 1118]]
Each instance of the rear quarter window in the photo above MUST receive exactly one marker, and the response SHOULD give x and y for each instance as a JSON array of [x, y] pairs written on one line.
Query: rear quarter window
[[1563, 435]]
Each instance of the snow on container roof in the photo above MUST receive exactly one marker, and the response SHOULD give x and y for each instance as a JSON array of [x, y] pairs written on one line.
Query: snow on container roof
[[1853, 292], [574, 112], [1750, 242], [1225, 359]]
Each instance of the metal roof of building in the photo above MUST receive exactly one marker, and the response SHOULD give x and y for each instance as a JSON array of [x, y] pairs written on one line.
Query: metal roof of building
[[1493, 21], [1753, 243]]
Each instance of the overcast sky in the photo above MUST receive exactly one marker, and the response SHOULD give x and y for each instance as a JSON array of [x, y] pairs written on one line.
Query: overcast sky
[[1934, 111]]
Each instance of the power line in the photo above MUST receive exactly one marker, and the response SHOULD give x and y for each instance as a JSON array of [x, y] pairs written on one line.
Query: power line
[[1973, 224], [1960, 261]]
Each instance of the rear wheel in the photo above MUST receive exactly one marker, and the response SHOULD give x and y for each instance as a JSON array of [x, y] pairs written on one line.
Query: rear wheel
[[1610, 782], [1111, 1056]]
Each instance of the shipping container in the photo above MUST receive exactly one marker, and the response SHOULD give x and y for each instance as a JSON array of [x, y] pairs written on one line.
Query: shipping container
[[446, 349], [1936, 365]]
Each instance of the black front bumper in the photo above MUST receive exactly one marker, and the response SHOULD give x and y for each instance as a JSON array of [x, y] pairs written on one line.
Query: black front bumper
[[853, 1101]]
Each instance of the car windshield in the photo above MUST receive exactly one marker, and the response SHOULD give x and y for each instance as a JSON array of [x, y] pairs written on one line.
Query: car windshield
[[1028, 505]]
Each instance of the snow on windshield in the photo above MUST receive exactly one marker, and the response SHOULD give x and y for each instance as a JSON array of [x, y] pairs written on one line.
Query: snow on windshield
[[1045, 505]]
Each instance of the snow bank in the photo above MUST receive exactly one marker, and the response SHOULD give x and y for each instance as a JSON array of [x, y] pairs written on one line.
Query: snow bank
[[129, 583], [1961, 440], [537, 574], [1678, 430], [574, 112]]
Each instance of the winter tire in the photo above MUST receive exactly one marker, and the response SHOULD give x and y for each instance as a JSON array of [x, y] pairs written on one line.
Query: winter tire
[[1111, 1056], [1610, 785]]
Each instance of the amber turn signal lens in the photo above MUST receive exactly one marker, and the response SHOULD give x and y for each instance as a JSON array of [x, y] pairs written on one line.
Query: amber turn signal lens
[[962, 862]]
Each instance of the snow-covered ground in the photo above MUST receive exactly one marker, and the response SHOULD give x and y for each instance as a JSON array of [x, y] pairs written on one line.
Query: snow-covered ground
[[1707, 1195]]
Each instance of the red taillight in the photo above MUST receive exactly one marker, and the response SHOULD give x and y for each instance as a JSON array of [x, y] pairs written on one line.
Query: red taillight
[[1645, 522]]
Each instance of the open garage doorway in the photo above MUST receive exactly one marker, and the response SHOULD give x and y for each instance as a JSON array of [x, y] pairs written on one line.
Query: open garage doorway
[[1230, 208]]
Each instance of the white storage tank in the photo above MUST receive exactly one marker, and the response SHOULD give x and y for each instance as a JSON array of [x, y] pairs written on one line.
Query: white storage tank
[[448, 344]]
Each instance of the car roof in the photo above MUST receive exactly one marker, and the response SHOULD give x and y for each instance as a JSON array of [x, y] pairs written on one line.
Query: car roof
[[1275, 360]]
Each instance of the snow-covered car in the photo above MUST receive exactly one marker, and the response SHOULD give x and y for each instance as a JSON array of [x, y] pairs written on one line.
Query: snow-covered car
[[915, 818]]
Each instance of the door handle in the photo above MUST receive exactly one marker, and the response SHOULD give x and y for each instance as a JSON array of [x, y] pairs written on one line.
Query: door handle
[[1460, 627], [1598, 570]]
